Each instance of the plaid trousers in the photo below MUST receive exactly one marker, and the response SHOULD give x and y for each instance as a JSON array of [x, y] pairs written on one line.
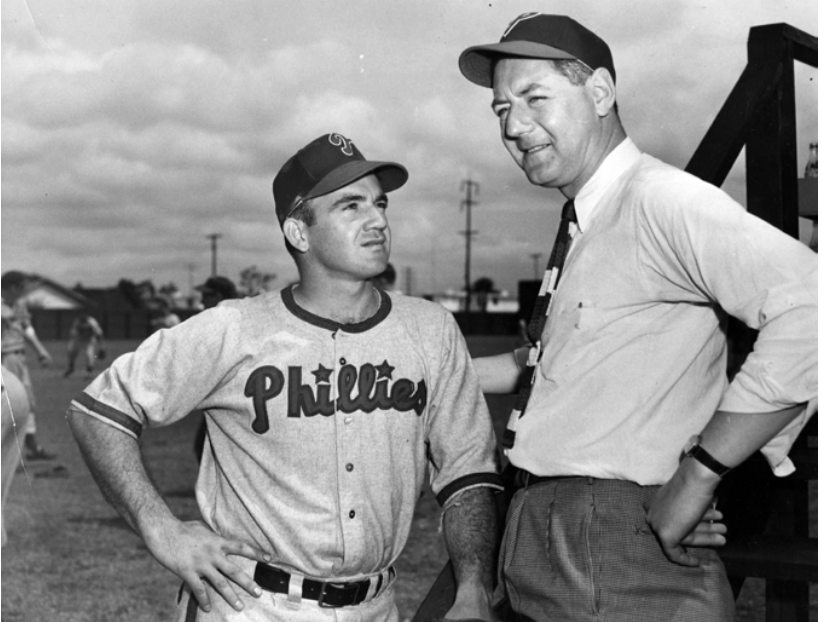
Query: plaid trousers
[[579, 548]]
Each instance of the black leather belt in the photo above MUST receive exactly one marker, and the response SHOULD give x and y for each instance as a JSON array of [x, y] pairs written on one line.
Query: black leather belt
[[523, 479], [327, 594]]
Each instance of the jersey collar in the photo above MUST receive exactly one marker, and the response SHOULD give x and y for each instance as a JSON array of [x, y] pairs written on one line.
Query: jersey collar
[[331, 325]]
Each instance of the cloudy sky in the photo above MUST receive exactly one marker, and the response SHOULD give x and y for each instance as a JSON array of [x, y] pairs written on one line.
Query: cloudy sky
[[131, 130]]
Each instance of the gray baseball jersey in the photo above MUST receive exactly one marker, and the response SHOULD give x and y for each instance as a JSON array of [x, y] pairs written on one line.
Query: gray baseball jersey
[[319, 433]]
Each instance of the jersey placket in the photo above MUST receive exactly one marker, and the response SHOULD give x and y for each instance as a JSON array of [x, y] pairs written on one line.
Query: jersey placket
[[348, 463]]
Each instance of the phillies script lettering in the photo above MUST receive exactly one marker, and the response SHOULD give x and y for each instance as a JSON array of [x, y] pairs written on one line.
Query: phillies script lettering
[[365, 389]]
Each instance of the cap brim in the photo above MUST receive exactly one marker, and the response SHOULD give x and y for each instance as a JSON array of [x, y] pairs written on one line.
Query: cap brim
[[390, 174], [475, 62]]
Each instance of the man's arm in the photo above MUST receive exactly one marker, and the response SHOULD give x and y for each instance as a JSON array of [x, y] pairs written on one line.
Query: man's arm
[[188, 549], [471, 536], [42, 354], [500, 373], [679, 505]]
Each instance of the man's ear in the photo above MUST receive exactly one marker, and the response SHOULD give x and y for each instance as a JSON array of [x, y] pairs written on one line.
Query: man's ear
[[294, 232], [603, 90]]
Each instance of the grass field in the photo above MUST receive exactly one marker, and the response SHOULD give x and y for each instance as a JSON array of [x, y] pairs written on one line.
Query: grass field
[[70, 557]]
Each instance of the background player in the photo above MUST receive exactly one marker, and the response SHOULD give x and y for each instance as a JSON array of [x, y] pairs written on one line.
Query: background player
[[17, 333], [215, 290], [85, 336], [15, 414], [325, 402]]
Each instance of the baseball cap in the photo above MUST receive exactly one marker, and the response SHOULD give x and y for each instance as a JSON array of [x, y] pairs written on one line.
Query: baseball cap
[[537, 35], [220, 285], [328, 163]]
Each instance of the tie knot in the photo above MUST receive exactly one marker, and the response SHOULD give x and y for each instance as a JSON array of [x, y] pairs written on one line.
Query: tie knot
[[568, 211]]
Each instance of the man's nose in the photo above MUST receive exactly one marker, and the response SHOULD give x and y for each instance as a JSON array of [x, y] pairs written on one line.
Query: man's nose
[[377, 218], [517, 123]]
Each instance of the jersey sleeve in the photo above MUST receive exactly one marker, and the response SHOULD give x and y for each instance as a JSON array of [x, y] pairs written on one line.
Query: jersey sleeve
[[168, 376], [462, 444]]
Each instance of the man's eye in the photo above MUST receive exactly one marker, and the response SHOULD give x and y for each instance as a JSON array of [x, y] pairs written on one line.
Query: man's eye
[[536, 99], [500, 112]]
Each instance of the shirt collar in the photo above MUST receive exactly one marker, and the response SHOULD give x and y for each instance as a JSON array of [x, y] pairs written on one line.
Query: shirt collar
[[613, 166]]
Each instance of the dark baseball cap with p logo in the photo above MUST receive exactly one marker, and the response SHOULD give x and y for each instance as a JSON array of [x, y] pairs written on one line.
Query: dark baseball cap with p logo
[[324, 165], [537, 35]]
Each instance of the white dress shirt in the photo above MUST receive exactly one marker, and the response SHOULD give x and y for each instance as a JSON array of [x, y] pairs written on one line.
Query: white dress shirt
[[635, 352]]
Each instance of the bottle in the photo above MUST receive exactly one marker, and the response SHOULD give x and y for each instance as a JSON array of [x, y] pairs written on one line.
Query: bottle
[[812, 167], [812, 171]]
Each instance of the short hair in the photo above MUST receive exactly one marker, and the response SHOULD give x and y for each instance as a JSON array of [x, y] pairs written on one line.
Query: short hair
[[13, 278], [302, 210], [576, 71]]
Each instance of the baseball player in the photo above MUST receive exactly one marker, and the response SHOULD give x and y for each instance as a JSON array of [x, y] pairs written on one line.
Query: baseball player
[[326, 402], [15, 414], [17, 334], [85, 336], [215, 290]]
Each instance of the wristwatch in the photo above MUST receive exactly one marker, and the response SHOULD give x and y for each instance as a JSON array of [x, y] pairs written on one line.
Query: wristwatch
[[693, 449]]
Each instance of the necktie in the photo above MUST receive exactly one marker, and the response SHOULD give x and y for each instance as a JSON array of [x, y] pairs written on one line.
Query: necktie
[[550, 282]]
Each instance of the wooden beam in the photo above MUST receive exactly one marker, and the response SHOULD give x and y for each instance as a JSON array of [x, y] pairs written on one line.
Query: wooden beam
[[803, 46], [729, 132], [771, 161]]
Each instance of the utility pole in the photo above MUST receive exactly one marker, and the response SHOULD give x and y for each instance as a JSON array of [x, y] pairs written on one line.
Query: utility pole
[[467, 203], [214, 237], [409, 285], [536, 257], [190, 267]]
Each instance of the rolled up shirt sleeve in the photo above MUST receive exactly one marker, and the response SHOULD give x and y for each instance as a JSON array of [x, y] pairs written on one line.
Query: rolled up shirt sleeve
[[769, 281]]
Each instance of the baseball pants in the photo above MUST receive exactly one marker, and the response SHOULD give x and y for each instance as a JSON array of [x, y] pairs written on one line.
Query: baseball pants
[[88, 349], [579, 549], [271, 607]]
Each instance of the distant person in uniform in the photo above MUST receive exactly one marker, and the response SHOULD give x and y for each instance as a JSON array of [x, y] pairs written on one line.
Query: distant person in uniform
[[164, 317], [85, 336], [17, 332], [16, 411], [212, 292], [215, 290]]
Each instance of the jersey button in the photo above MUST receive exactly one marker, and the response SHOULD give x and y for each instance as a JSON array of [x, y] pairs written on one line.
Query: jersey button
[[348, 420], [342, 361], [349, 467], [351, 514]]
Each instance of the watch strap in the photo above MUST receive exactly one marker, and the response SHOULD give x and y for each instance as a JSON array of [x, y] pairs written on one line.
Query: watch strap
[[700, 454]]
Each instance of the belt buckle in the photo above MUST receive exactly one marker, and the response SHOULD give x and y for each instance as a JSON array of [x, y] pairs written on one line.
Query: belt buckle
[[342, 587]]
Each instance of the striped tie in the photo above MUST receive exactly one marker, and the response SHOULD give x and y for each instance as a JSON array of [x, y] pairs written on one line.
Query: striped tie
[[542, 307]]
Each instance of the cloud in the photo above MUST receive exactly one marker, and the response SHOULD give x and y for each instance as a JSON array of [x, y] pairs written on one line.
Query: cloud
[[133, 130]]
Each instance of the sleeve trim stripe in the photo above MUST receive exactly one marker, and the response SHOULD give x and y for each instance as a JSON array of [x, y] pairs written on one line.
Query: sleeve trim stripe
[[104, 411], [492, 480]]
